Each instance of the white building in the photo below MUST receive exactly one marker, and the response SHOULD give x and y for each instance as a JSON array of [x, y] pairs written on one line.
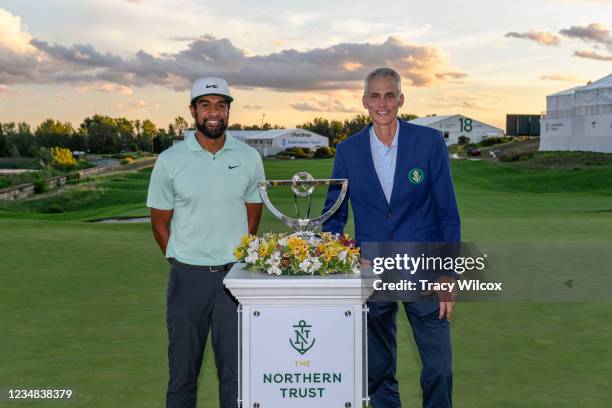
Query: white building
[[453, 126], [579, 118], [271, 142]]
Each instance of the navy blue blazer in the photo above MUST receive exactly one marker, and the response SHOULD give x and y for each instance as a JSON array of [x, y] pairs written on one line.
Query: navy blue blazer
[[421, 211]]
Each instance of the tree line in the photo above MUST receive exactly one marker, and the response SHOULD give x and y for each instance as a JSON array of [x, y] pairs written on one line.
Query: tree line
[[97, 134], [337, 130], [100, 134]]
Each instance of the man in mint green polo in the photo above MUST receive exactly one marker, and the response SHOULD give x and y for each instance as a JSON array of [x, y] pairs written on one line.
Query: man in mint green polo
[[203, 197]]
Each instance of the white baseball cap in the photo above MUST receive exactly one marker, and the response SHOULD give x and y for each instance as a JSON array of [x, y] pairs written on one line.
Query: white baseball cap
[[210, 86]]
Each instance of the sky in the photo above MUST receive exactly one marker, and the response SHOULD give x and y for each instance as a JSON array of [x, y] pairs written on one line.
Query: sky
[[288, 62]]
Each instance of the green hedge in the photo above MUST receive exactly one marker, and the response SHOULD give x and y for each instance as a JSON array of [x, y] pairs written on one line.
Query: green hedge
[[325, 152], [490, 141]]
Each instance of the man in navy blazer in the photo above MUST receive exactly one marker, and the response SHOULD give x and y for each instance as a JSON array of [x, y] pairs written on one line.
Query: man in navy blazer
[[401, 190]]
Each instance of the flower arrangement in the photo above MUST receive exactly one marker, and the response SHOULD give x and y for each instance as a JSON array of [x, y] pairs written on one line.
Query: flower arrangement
[[282, 254]]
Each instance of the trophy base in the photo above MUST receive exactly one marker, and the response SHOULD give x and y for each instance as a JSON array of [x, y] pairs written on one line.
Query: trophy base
[[307, 236]]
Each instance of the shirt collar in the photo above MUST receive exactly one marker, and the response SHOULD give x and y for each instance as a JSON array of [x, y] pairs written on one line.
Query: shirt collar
[[377, 144], [194, 146]]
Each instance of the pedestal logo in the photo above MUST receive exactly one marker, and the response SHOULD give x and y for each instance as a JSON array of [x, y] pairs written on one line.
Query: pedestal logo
[[303, 341]]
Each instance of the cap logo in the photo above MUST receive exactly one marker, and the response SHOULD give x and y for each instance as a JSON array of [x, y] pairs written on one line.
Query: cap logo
[[212, 86]]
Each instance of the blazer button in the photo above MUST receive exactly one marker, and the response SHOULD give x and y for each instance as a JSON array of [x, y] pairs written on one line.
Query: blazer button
[[389, 214]]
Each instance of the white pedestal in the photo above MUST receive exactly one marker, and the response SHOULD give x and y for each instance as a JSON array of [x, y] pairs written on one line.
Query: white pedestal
[[302, 339]]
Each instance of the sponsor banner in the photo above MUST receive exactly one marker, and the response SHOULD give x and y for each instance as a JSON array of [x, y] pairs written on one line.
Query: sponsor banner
[[302, 356]]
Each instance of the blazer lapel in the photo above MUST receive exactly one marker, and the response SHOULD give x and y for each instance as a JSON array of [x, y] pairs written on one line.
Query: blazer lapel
[[368, 161], [405, 151]]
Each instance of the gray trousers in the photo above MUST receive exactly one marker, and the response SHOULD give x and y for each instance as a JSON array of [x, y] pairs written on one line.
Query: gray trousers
[[196, 303]]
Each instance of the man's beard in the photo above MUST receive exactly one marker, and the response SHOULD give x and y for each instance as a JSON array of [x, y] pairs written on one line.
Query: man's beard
[[212, 133]]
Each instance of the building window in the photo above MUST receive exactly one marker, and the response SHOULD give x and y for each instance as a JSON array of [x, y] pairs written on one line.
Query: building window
[[446, 134]]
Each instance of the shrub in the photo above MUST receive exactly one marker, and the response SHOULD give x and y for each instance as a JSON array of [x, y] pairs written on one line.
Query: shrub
[[44, 154], [62, 158], [490, 141], [324, 152], [73, 176], [514, 156], [463, 140], [4, 182], [14, 152], [40, 183], [296, 152], [54, 209], [83, 164]]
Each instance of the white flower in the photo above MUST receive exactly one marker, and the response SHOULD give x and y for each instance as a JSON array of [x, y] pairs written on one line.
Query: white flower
[[252, 257], [254, 245], [274, 270], [275, 258], [316, 265], [283, 241], [356, 270], [305, 265], [342, 255]]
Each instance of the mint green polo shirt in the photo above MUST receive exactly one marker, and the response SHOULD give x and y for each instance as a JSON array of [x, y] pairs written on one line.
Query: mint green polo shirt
[[208, 194]]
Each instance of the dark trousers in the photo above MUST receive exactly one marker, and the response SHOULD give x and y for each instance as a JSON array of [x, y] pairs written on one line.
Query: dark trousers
[[196, 302], [432, 337]]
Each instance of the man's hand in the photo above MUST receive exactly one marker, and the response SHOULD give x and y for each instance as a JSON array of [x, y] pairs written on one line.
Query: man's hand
[[447, 298]]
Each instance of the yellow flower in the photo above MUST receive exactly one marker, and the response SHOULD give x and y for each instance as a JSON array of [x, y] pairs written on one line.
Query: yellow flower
[[266, 248], [239, 253], [245, 240], [330, 252], [294, 242], [301, 253]]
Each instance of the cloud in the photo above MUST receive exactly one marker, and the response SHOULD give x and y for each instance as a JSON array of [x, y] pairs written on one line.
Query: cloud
[[451, 75], [325, 105], [463, 100], [79, 54], [252, 106], [541, 37], [597, 33], [19, 60], [6, 91], [12, 36], [139, 104], [562, 77], [592, 55], [340, 66], [301, 19], [184, 39], [105, 87]]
